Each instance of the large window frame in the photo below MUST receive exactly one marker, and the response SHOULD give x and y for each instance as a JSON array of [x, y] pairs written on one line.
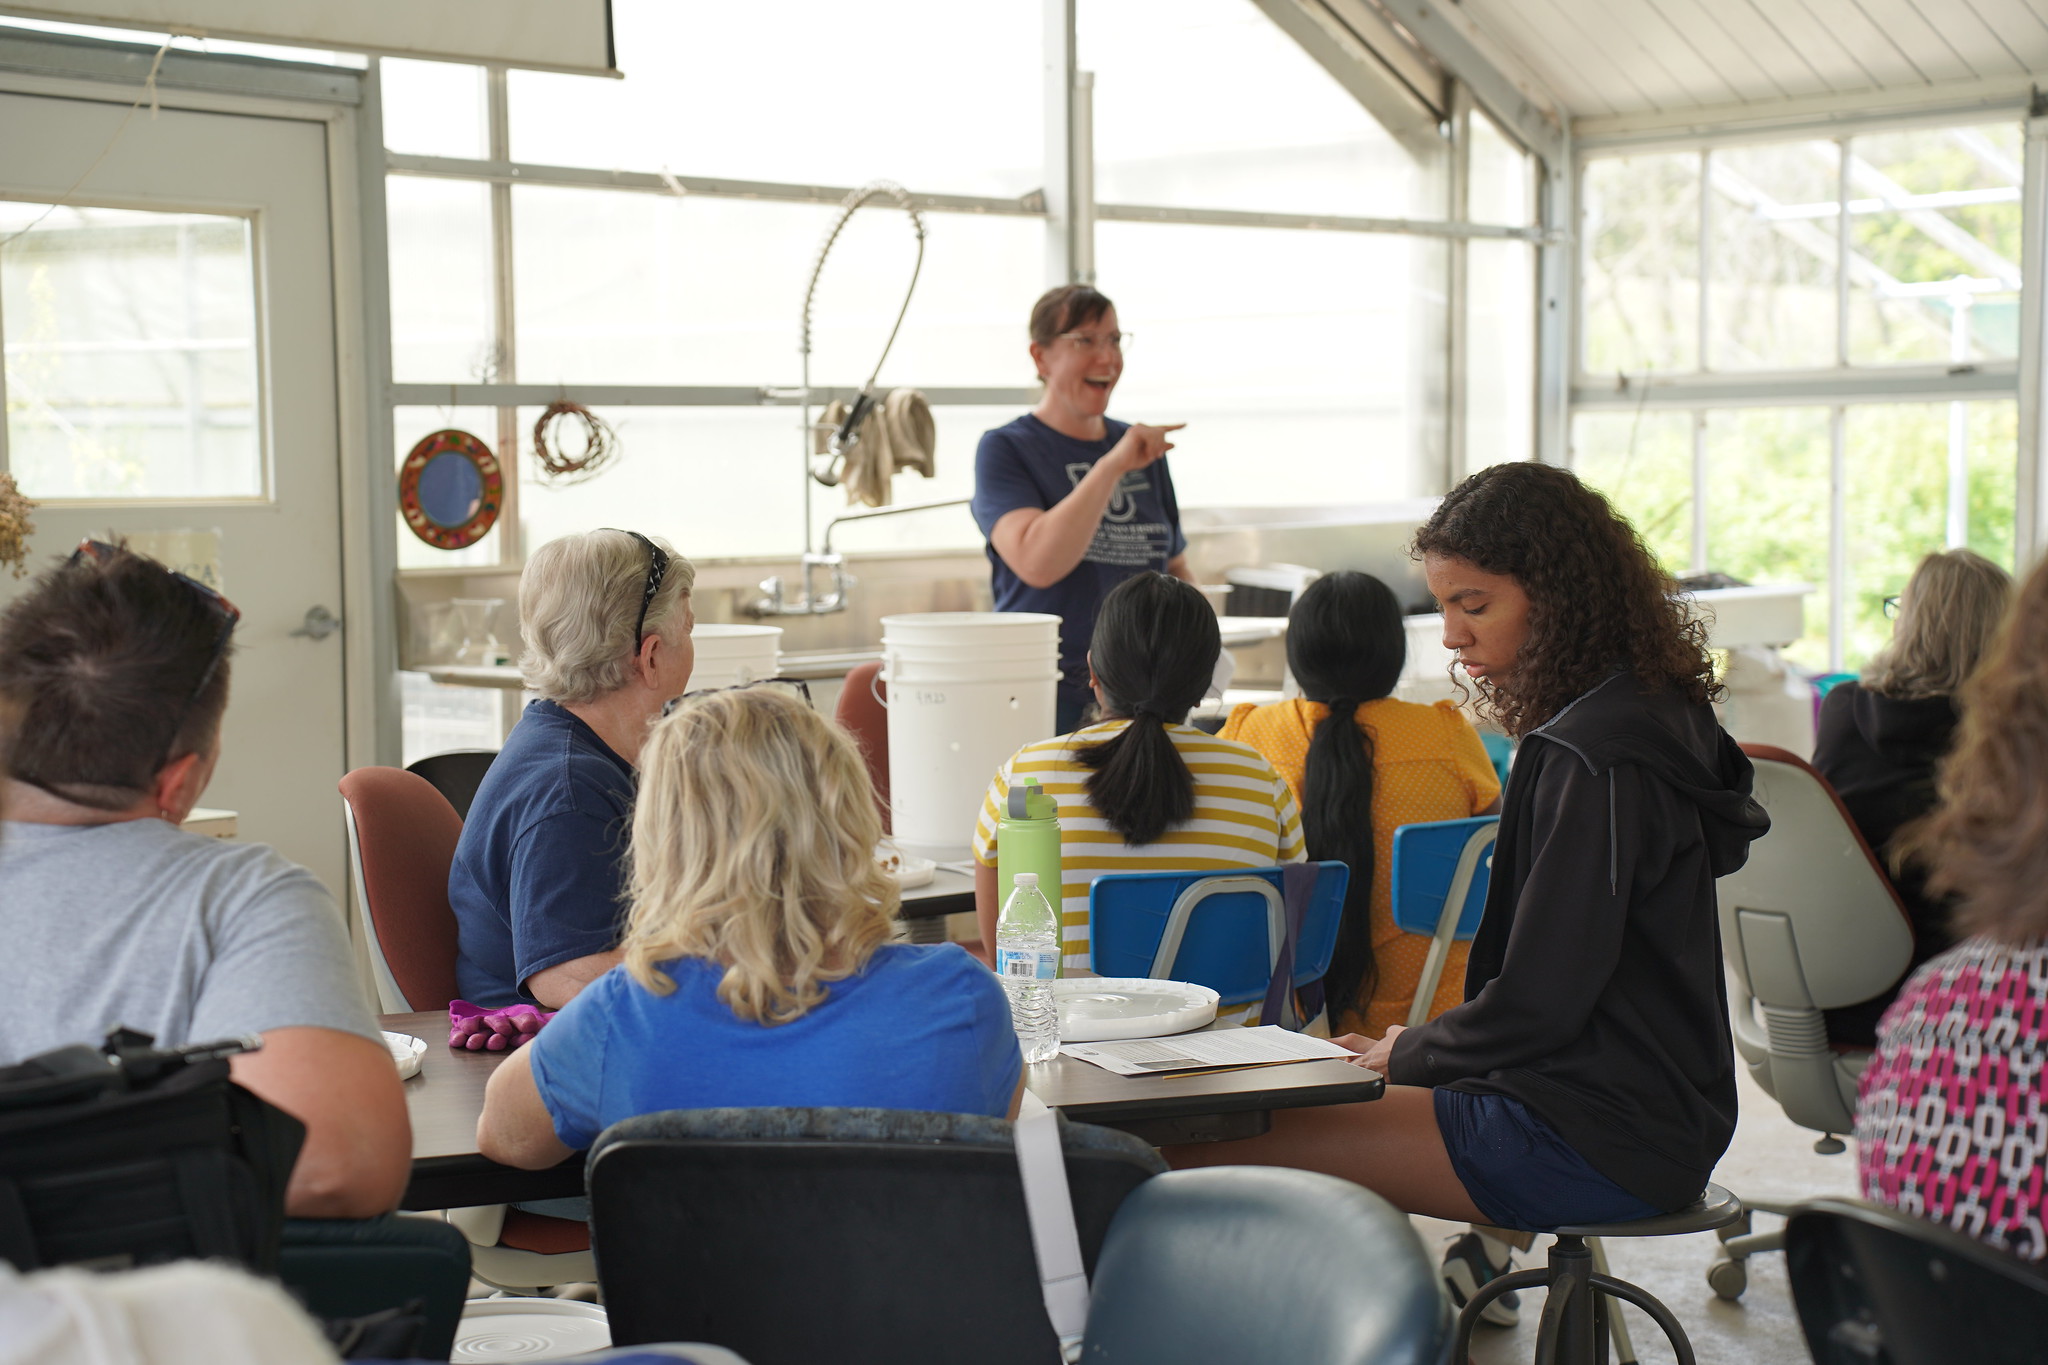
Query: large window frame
[[1845, 386], [1067, 207]]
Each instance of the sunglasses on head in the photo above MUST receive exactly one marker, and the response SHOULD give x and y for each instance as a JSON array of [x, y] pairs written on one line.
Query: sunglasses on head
[[657, 569], [99, 552], [794, 687]]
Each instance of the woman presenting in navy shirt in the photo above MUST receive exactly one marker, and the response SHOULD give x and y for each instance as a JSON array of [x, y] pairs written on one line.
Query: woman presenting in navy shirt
[[1073, 502]]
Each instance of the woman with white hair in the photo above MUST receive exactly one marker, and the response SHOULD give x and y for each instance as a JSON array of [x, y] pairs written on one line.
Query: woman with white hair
[[536, 882], [759, 961], [1881, 737]]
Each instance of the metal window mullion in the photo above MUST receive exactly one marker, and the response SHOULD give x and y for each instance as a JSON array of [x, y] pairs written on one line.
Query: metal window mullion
[[504, 359], [1699, 491], [1843, 252], [2029, 486], [1705, 244], [1458, 294], [1838, 537]]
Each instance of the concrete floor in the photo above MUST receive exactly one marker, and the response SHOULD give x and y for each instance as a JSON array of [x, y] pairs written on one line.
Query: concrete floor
[[1771, 1158]]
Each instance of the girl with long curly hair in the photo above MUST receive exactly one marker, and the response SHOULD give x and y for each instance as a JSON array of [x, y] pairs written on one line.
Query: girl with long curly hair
[[1589, 1076]]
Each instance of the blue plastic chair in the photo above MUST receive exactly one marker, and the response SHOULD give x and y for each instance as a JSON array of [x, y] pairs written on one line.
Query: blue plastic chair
[[1500, 751], [1440, 875], [1146, 924]]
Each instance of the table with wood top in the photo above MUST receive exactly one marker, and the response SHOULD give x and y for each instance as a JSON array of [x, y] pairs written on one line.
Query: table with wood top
[[446, 1096]]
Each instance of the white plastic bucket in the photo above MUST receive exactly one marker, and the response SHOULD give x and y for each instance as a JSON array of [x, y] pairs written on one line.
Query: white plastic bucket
[[729, 655], [966, 690]]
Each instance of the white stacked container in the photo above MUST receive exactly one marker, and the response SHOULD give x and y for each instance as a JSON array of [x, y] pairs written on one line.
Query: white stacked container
[[729, 655], [966, 690]]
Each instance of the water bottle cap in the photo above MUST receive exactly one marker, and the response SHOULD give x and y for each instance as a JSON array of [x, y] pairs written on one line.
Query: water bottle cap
[[1027, 879]]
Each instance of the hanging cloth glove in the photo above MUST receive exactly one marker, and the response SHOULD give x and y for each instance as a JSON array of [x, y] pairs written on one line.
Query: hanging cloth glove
[[898, 434]]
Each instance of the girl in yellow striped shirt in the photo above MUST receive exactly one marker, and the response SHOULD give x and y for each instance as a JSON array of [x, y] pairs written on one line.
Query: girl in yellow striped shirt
[[1142, 790]]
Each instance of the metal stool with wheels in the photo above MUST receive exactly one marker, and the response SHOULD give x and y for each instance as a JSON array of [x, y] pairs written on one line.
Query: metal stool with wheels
[[1575, 1314]]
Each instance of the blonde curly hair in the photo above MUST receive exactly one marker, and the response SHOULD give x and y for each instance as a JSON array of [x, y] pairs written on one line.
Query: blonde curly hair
[[754, 848]]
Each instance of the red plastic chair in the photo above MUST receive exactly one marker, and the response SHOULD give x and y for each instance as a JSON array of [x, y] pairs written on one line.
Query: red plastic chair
[[863, 710], [401, 842]]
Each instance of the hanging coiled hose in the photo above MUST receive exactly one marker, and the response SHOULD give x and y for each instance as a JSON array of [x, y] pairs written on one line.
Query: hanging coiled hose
[[826, 466]]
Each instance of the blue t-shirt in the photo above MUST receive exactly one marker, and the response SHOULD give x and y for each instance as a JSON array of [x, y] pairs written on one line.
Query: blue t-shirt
[[537, 878], [922, 1027], [1028, 464]]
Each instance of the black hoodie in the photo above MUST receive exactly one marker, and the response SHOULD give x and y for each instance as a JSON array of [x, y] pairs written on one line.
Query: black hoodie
[[1594, 992], [1880, 754]]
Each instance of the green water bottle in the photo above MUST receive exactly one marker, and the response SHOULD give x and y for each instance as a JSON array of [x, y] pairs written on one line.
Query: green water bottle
[[1028, 840]]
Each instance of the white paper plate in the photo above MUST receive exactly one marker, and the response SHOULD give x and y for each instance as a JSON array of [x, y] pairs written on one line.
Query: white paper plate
[[910, 869], [406, 1051], [528, 1329], [1100, 1009]]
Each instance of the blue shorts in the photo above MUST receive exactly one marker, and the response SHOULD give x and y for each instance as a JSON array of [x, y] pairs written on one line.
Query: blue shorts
[[1520, 1173]]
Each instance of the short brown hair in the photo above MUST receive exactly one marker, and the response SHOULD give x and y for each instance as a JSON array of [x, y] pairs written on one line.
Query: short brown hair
[[1065, 307], [1597, 600], [1986, 843], [99, 663]]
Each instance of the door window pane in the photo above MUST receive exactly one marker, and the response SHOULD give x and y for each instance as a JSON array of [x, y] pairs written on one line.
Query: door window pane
[[1307, 365], [1773, 223], [1935, 215], [131, 354], [1641, 287], [1277, 134], [1767, 507], [935, 94], [1643, 463]]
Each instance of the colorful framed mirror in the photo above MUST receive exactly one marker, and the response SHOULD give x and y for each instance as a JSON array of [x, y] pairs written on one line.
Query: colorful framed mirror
[[450, 489]]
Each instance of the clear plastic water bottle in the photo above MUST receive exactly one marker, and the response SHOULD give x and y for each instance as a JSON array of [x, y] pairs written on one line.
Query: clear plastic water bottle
[[1028, 961]]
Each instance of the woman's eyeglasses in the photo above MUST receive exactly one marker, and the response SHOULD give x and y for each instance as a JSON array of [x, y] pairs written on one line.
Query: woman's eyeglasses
[[657, 569], [1118, 342], [1891, 605], [793, 687]]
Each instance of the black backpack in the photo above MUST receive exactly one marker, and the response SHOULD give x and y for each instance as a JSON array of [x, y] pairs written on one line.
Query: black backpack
[[128, 1155]]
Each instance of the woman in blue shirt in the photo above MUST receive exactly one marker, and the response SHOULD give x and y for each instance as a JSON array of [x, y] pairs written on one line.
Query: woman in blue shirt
[[1073, 502], [758, 963]]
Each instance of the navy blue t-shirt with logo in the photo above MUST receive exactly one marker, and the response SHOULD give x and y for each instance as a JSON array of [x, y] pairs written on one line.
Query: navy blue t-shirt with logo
[[1028, 464]]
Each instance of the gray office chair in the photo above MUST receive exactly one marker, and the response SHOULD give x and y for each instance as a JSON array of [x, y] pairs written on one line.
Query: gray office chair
[[1810, 923], [1256, 1263]]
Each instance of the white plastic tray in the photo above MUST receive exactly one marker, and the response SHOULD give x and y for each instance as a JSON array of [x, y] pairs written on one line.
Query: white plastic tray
[[406, 1052], [1100, 1009]]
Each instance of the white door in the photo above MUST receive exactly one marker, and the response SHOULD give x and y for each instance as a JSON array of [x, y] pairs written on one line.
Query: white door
[[170, 368]]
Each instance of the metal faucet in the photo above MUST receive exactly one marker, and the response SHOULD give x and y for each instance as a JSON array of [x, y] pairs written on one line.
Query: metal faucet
[[774, 600]]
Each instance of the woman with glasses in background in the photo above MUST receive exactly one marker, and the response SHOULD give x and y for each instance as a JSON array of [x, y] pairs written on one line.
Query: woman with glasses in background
[[605, 621], [1072, 501], [1881, 736], [760, 967]]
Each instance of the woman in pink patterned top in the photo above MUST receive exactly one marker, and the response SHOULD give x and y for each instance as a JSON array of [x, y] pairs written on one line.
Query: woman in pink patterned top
[[1953, 1120]]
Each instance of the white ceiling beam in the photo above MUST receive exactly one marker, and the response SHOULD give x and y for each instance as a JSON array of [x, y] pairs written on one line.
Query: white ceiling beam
[[1402, 93], [1505, 88], [1820, 116]]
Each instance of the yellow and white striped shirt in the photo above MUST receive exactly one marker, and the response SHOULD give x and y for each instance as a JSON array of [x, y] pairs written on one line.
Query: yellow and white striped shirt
[[1245, 816]]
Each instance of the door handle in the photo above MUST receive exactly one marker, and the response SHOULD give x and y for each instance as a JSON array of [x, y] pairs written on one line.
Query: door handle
[[320, 623]]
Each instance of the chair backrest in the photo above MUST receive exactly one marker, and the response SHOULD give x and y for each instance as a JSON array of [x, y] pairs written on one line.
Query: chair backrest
[[1873, 1284], [1810, 921], [456, 774], [1430, 860], [863, 711], [1230, 926], [795, 1236], [402, 836], [1259, 1263]]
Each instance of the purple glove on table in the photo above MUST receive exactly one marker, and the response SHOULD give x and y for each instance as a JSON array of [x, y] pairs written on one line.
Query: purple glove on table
[[474, 1028]]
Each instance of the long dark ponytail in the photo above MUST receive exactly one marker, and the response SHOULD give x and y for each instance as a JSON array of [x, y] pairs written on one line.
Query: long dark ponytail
[[1346, 646], [1154, 652]]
